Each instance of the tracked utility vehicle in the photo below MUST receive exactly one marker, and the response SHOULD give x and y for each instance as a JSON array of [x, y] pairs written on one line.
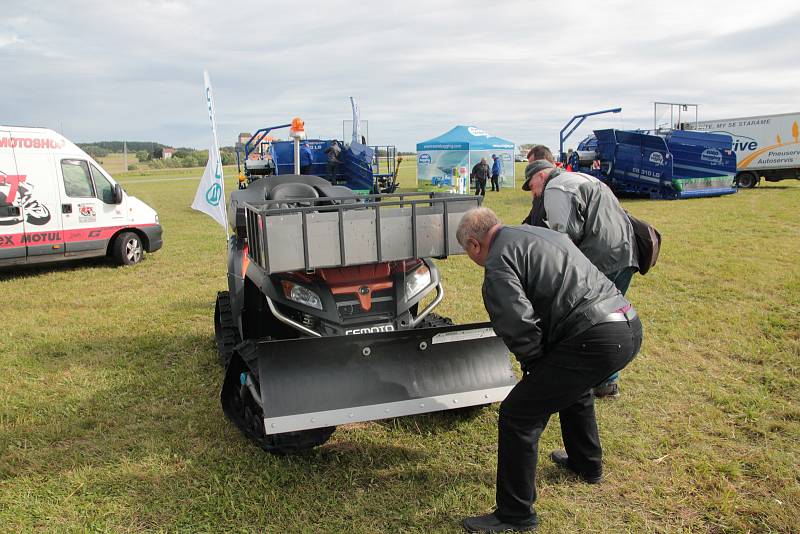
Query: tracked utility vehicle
[[328, 318]]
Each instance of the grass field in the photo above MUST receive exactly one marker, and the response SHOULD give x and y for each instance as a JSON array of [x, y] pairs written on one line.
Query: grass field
[[115, 162], [110, 418]]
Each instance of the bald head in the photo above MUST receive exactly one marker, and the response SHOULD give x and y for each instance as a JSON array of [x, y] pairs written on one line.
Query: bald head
[[475, 233], [475, 224]]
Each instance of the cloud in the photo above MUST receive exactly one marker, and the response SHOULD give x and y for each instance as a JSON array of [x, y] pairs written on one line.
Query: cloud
[[9, 39], [133, 70]]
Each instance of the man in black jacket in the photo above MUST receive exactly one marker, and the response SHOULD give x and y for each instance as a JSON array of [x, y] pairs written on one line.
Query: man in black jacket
[[570, 328], [333, 152], [480, 173]]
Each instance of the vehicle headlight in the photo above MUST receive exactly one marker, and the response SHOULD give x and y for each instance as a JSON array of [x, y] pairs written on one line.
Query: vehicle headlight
[[417, 281], [301, 295]]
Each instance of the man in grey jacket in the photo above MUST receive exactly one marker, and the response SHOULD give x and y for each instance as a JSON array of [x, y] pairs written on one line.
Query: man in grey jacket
[[585, 209], [570, 328]]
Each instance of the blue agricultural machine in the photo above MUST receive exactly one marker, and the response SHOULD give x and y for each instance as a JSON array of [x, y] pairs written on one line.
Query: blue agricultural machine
[[666, 164], [362, 168], [671, 165]]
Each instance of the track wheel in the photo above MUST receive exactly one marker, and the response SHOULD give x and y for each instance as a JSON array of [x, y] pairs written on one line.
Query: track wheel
[[433, 320], [248, 417], [226, 334]]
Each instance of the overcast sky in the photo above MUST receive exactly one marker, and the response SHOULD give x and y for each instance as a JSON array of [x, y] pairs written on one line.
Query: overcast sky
[[133, 70]]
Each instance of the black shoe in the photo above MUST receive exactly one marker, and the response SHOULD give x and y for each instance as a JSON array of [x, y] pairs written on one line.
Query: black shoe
[[561, 459], [610, 391], [490, 523]]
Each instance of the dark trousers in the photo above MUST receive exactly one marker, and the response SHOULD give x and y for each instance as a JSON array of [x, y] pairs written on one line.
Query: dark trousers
[[480, 186], [305, 169], [332, 170], [560, 382], [622, 281], [495, 186]]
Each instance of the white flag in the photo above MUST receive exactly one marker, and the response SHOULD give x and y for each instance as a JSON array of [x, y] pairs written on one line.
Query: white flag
[[356, 121], [210, 196]]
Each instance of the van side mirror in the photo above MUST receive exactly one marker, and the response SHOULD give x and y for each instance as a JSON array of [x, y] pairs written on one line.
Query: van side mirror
[[117, 194]]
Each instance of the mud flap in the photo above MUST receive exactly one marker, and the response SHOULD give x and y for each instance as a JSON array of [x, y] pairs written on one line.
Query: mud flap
[[319, 382]]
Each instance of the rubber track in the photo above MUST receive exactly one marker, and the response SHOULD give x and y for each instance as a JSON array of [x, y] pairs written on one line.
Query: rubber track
[[433, 320], [287, 443], [227, 336]]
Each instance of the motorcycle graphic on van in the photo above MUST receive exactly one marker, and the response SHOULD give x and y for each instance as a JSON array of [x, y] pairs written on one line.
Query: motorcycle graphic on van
[[13, 186]]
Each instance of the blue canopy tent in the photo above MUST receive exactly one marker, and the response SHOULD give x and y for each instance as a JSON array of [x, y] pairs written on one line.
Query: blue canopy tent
[[447, 159]]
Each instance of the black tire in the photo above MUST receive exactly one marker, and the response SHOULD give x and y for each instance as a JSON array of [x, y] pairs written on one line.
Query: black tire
[[246, 414], [226, 335], [127, 249], [746, 180]]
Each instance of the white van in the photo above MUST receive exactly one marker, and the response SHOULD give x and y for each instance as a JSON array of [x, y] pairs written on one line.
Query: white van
[[57, 203]]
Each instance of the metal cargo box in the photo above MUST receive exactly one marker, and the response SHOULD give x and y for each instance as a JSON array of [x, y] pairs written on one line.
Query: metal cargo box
[[320, 232]]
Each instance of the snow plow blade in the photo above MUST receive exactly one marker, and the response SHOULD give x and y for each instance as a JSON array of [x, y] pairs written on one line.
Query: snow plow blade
[[320, 382]]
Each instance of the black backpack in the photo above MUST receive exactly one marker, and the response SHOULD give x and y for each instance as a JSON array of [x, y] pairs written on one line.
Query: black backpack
[[648, 243]]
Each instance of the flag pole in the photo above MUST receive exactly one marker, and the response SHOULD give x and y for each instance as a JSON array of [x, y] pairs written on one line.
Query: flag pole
[[210, 195]]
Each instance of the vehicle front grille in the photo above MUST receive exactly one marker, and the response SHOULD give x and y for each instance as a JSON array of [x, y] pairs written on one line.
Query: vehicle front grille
[[383, 304]]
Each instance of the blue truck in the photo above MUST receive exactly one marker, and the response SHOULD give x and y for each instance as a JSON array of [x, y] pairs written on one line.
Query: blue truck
[[671, 165]]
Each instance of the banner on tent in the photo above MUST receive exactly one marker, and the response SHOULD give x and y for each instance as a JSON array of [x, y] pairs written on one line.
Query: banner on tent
[[442, 170], [445, 163]]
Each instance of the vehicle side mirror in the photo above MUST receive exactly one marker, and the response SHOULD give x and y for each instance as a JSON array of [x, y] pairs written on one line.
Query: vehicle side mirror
[[117, 194]]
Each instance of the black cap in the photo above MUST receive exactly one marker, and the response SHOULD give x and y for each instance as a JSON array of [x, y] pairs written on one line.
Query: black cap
[[532, 168]]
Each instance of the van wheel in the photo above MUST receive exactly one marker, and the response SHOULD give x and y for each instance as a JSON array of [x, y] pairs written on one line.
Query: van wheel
[[128, 249], [746, 180]]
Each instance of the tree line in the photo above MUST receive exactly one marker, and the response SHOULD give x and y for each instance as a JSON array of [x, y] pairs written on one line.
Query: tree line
[[151, 154]]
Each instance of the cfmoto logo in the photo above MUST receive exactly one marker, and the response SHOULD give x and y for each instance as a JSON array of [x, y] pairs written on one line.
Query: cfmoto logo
[[370, 329]]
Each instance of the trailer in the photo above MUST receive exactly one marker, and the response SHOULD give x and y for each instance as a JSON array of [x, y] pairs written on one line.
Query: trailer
[[671, 165], [766, 146]]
